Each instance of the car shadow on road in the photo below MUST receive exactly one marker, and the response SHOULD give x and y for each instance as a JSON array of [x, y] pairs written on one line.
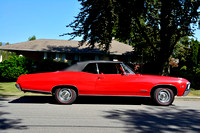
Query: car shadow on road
[[113, 100], [87, 100]]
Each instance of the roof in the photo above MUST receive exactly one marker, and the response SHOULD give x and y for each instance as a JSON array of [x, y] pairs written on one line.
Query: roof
[[79, 66], [66, 46]]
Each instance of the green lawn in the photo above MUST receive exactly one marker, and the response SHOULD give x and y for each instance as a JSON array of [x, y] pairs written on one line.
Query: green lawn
[[9, 89], [194, 93]]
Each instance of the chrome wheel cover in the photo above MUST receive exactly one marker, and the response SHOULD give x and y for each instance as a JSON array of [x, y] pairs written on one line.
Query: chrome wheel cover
[[65, 95], [164, 96]]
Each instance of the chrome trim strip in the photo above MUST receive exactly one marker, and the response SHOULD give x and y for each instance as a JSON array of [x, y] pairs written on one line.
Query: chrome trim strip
[[18, 87], [187, 89], [143, 90], [34, 91], [188, 86], [186, 92], [97, 67]]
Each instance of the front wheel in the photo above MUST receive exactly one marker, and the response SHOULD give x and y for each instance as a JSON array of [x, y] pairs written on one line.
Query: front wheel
[[163, 96], [65, 95]]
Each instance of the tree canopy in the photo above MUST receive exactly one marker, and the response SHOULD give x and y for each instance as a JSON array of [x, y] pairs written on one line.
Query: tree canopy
[[187, 51], [154, 24], [32, 38]]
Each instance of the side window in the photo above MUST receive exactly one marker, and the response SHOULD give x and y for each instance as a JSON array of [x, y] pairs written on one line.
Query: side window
[[109, 68], [90, 68]]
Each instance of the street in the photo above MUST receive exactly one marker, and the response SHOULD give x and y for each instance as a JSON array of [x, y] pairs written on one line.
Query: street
[[39, 114]]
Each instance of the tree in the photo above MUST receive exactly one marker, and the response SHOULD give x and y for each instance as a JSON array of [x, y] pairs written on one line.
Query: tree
[[1, 43], [32, 38], [182, 50], [158, 23], [195, 52], [7, 43], [187, 50]]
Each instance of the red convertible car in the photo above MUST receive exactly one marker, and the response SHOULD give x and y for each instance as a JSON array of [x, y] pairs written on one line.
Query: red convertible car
[[103, 78]]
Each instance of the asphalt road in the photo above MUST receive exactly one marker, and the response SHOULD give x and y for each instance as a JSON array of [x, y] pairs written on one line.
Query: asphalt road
[[39, 114]]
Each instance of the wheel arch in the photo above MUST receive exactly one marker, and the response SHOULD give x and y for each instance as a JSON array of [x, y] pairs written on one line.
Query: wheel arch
[[172, 87], [62, 86]]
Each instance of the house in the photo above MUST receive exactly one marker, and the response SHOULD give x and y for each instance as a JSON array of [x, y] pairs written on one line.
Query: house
[[68, 50]]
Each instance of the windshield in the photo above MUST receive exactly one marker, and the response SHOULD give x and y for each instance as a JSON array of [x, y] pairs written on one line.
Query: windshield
[[127, 69]]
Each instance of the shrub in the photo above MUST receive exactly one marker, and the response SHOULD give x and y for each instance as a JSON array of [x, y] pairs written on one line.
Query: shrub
[[15, 66]]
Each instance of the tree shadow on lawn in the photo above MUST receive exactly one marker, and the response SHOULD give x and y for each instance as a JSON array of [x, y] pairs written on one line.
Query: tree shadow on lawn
[[87, 100]]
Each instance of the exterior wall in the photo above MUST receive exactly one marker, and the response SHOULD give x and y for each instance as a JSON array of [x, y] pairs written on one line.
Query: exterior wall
[[1, 55], [4, 55], [36, 56], [70, 58]]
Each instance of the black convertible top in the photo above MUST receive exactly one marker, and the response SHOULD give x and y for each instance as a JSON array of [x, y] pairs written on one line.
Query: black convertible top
[[79, 66]]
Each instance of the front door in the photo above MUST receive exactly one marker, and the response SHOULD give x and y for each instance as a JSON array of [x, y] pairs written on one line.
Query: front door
[[113, 81]]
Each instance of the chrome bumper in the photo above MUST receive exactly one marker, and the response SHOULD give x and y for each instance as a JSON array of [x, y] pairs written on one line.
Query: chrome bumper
[[187, 90], [18, 87]]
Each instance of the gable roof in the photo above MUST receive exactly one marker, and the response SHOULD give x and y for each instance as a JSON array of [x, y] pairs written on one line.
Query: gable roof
[[66, 46]]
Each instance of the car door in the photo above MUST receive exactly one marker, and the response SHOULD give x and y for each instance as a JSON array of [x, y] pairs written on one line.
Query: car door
[[87, 80], [113, 81]]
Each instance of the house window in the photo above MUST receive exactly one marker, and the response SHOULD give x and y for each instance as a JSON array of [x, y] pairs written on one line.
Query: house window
[[45, 55], [57, 56], [76, 58], [63, 57], [96, 57]]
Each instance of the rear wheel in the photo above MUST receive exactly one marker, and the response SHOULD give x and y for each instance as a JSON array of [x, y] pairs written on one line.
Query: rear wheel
[[163, 96], [65, 95]]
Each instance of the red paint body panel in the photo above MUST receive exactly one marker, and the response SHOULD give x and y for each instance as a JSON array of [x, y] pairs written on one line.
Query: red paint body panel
[[100, 84]]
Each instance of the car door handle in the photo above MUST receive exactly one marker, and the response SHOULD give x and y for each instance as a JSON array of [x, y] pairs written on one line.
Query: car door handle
[[100, 77]]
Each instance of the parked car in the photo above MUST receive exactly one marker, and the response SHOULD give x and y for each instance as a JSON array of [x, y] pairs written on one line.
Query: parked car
[[103, 78]]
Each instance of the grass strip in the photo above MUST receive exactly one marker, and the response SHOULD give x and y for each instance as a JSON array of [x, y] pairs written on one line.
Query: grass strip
[[9, 89]]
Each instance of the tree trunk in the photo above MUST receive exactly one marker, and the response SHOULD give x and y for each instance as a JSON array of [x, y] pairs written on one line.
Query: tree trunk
[[165, 37], [162, 63]]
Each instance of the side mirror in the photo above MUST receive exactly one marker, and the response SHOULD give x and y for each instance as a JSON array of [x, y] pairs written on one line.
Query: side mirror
[[124, 73]]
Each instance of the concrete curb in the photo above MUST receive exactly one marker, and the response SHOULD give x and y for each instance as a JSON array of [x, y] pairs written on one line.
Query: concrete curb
[[188, 97]]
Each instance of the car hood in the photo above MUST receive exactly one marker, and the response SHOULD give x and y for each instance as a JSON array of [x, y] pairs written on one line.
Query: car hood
[[162, 78]]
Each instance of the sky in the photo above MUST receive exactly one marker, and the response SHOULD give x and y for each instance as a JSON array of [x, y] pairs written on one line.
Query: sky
[[46, 19]]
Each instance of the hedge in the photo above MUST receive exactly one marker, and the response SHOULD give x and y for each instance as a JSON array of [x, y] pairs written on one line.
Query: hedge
[[15, 66]]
